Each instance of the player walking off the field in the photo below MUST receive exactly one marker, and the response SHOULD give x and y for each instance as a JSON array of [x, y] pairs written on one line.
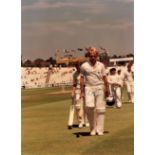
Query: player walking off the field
[[115, 84], [96, 86], [129, 80], [77, 105]]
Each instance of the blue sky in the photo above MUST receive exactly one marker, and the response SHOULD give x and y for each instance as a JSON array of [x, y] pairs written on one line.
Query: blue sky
[[48, 25]]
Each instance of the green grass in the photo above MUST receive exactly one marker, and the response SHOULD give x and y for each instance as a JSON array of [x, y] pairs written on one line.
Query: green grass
[[44, 127], [31, 97]]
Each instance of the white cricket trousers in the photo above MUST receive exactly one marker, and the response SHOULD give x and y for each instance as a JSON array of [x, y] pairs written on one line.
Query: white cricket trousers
[[117, 96], [76, 107], [130, 90], [95, 108]]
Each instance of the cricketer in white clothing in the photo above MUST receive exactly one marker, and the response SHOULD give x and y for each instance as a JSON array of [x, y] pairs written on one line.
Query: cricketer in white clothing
[[115, 84], [129, 80], [96, 87], [77, 106]]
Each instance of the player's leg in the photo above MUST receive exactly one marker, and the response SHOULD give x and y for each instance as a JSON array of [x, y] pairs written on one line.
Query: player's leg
[[91, 118], [118, 97], [80, 112], [90, 106], [132, 92], [86, 122], [100, 112], [128, 91], [79, 109], [114, 96], [100, 116]]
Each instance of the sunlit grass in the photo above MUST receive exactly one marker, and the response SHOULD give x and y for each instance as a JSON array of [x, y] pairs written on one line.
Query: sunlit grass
[[44, 127]]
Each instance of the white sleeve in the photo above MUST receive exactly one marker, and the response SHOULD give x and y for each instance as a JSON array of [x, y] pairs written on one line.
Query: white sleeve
[[103, 71], [109, 80], [82, 70]]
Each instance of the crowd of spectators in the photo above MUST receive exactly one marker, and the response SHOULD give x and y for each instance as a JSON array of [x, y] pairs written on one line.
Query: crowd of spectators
[[35, 77]]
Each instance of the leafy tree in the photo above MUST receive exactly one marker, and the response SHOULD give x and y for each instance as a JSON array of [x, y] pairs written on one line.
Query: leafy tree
[[130, 55], [38, 62], [114, 56], [51, 61], [28, 63]]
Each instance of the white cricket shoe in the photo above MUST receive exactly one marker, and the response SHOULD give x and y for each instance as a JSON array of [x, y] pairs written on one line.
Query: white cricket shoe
[[93, 133], [80, 125], [87, 125]]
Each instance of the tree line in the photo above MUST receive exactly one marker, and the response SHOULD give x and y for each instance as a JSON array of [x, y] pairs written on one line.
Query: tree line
[[39, 62]]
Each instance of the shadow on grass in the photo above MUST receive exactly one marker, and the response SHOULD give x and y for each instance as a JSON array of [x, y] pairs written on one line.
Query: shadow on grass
[[78, 134], [75, 126]]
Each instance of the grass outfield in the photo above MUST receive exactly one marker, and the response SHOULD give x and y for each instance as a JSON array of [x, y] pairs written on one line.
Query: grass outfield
[[44, 127]]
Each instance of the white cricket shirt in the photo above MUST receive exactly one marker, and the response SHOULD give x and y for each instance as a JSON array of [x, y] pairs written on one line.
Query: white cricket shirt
[[93, 74]]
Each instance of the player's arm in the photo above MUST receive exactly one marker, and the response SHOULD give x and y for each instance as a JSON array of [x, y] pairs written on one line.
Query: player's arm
[[106, 83], [82, 81], [132, 75], [82, 86], [74, 87], [106, 86]]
